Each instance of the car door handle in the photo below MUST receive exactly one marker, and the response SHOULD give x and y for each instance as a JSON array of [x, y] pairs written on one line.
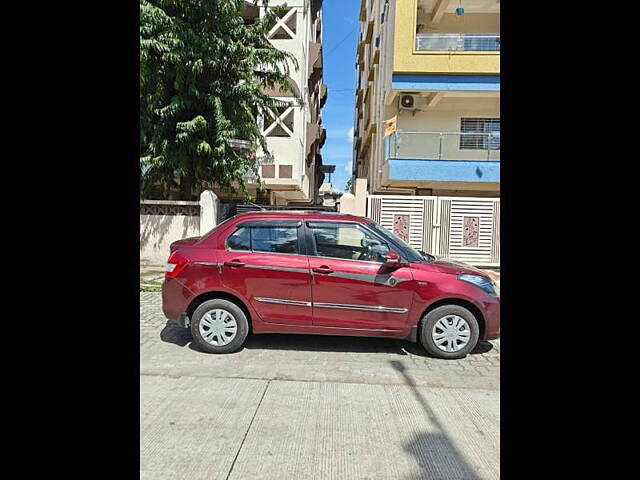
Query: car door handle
[[322, 269], [234, 263]]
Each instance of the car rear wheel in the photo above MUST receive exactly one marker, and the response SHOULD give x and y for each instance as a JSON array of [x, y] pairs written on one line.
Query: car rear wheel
[[450, 332], [219, 326]]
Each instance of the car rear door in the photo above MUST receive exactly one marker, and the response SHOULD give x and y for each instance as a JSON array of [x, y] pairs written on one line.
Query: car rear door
[[350, 286], [265, 262]]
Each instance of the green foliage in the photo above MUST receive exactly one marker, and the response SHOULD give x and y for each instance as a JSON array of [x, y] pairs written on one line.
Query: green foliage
[[348, 186], [202, 75]]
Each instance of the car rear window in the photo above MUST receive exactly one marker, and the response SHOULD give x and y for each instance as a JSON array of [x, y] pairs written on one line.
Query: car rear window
[[240, 240], [276, 239]]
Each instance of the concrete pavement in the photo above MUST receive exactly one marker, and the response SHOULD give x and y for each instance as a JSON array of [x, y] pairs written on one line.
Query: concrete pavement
[[294, 406]]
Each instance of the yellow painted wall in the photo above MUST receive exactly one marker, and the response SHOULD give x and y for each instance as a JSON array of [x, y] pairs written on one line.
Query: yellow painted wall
[[444, 117], [407, 60]]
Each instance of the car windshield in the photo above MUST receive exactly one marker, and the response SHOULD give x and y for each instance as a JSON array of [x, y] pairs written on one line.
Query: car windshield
[[417, 256]]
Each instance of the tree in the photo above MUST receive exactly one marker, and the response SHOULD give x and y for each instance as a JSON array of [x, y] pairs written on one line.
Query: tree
[[348, 186], [203, 73]]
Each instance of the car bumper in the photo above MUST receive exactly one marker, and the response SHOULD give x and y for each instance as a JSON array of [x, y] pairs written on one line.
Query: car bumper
[[175, 300], [491, 318]]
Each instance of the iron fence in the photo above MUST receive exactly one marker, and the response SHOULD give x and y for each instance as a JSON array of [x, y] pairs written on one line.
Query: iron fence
[[445, 146]]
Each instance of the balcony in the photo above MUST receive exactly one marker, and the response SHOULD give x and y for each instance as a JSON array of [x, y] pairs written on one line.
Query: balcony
[[444, 156], [323, 94], [313, 134], [431, 39], [457, 42], [315, 56], [445, 146]]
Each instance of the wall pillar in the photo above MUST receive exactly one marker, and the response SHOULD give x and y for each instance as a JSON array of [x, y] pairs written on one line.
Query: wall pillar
[[360, 204], [209, 206], [279, 198], [347, 203]]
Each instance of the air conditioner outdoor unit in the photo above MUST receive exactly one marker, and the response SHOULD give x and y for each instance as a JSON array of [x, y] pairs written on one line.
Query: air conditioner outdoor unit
[[408, 102]]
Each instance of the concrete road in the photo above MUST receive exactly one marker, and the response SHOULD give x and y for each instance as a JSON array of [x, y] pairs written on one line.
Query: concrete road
[[312, 407]]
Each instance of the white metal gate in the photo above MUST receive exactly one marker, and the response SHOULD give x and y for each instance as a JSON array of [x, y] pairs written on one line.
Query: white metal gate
[[461, 228]]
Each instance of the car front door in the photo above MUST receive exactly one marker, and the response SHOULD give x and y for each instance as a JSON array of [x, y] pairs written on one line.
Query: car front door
[[265, 262], [351, 287]]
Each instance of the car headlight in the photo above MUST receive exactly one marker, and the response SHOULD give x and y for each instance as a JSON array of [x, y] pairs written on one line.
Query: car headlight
[[481, 282]]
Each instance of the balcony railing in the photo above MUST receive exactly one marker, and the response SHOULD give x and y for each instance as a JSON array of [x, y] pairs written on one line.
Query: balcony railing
[[465, 42], [460, 146]]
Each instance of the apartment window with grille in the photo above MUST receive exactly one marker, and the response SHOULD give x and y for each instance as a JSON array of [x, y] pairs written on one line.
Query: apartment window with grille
[[281, 121], [286, 25], [487, 130]]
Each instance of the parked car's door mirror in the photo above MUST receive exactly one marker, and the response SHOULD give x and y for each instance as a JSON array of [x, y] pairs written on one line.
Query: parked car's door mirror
[[392, 259]]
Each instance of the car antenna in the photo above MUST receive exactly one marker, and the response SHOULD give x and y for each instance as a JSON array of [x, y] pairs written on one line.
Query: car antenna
[[259, 206]]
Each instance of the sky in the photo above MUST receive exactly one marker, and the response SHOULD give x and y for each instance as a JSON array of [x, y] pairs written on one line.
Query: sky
[[339, 41]]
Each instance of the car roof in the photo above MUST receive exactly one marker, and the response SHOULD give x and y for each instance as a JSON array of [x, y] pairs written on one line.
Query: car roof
[[306, 214]]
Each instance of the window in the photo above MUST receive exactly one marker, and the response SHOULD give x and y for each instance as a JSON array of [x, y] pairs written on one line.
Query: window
[[347, 242], [488, 134], [407, 250], [281, 121], [264, 239], [274, 239], [239, 240], [285, 27], [285, 171], [268, 171]]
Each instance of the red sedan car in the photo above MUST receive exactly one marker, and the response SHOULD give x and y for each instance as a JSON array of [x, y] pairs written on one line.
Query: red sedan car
[[327, 274]]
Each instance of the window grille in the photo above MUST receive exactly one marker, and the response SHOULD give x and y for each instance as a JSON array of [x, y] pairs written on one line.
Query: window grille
[[486, 130]]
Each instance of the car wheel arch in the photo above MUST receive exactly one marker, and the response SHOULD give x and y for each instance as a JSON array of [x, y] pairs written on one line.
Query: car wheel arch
[[461, 303], [219, 294]]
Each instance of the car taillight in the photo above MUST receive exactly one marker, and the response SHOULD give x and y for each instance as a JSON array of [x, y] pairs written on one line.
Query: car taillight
[[175, 265]]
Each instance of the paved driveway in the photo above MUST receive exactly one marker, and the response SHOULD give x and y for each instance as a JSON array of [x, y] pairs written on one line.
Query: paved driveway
[[298, 407]]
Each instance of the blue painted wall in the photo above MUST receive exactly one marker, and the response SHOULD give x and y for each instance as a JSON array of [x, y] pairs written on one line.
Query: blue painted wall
[[444, 170], [400, 81]]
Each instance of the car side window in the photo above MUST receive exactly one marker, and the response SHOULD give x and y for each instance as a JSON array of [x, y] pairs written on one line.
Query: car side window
[[240, 240], [274, 239], [349, 243]]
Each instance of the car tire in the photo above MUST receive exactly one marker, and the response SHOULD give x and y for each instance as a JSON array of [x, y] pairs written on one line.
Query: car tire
[[205, 323], [449, 314]]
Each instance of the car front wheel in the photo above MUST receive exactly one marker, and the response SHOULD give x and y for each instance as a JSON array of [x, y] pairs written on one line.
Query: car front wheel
[[219, 326], [449, 332]]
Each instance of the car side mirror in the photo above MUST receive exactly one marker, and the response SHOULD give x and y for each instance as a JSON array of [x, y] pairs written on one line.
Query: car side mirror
[[392, 260]]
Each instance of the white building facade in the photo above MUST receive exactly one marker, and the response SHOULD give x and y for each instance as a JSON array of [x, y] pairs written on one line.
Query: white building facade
[[293, 173]]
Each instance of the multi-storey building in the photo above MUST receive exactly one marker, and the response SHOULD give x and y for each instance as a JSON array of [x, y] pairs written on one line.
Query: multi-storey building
[[432, 67], [294, 133]]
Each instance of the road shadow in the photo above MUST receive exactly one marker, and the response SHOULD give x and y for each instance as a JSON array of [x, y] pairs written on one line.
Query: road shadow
[[438, 459], [325, 343], [172, 333], [434, 453], [180, 336], [483, 346]]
